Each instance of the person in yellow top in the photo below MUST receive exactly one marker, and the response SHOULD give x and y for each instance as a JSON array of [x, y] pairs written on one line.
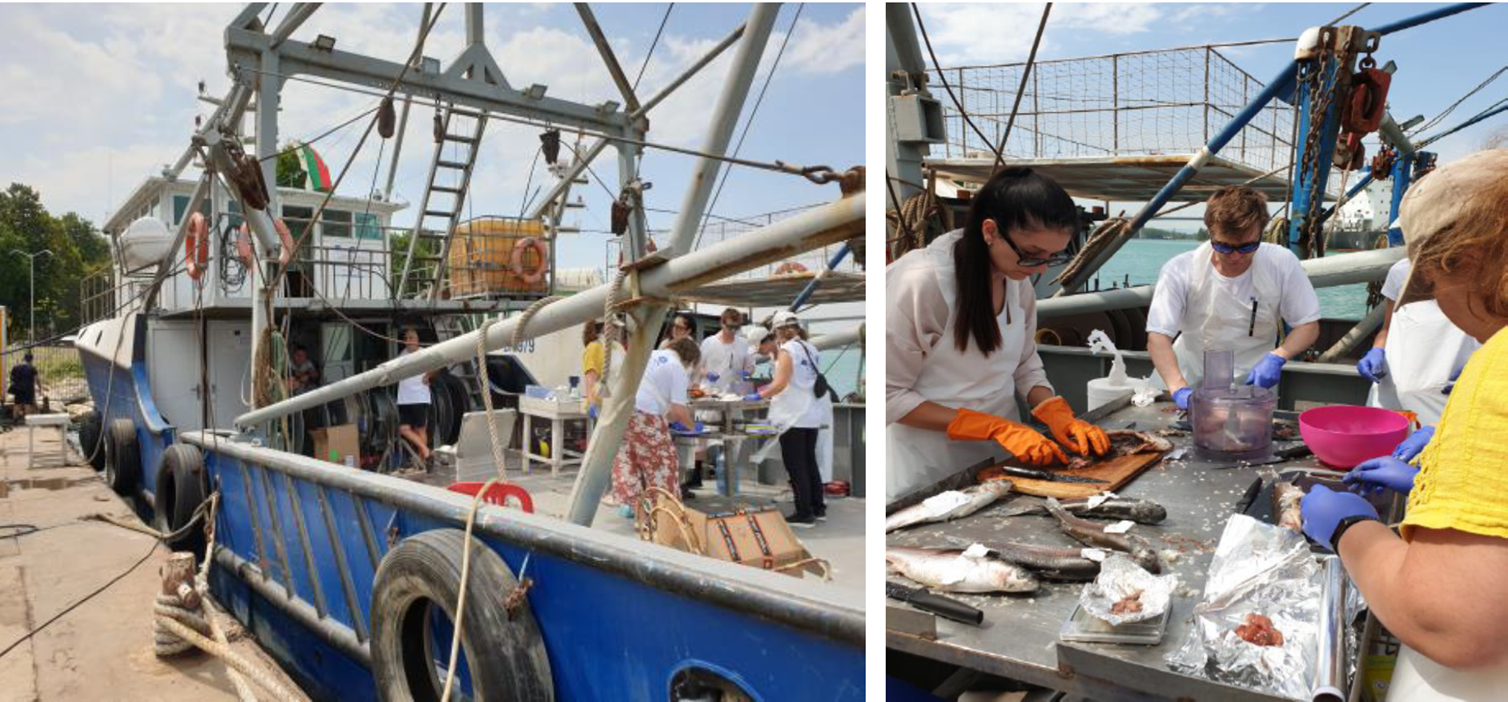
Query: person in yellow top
[[592, 357], [1439, 584]]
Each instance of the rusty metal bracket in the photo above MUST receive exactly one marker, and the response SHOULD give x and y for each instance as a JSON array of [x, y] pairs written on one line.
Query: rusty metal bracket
[[517, 597]]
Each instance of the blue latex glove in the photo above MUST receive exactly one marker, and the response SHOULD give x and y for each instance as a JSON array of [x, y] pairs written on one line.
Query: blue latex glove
[[1323, 509], [1411, 446], [753, 397], [1374, 365], [1382, 472], [1181, 397], [1267, 372], [743, 374], [677, 426], [591, 411], [712, 376], [1452, 384]]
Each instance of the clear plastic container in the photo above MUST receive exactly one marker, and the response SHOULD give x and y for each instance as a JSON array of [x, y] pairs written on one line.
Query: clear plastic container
[[1231, 422]]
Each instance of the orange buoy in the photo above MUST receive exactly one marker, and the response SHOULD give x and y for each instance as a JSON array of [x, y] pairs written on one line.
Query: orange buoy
[[243, 243], [789, 267], [535, 275], [196, 246]]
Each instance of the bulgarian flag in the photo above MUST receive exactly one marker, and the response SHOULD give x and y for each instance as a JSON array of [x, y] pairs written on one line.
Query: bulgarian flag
[[314, 167]]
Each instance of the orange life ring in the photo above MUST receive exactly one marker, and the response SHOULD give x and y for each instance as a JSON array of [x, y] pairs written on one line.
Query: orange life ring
[[789, 267], [516, 260], [243, 243], [196, 245]]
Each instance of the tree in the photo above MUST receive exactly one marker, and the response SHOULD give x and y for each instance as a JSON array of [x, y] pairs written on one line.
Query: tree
[[290, 173], [77, 250]]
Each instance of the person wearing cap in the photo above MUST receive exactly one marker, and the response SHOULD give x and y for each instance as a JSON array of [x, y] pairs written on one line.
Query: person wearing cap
[[1436, 584], [960, 347], [794, 410], [1232, 293], [761, 343]]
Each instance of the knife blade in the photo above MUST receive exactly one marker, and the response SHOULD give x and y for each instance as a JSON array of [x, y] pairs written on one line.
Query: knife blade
[[936, 604], [1047, 475]]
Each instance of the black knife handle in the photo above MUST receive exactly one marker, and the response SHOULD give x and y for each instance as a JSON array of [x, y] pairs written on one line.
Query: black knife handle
[[936, 604]]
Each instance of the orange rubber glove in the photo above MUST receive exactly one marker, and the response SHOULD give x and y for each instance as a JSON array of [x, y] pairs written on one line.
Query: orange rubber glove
[[1075, 433], [1022, 441]]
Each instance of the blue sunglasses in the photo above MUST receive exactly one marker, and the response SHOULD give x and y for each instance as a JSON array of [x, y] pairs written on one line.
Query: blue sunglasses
[[1227, 248]]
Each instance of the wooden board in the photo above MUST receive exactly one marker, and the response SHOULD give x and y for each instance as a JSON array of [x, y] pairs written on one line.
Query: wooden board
[[1116, 472]]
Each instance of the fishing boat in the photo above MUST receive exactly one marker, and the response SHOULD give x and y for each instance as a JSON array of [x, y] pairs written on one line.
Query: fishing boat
[[349, 573], [1149, 128]]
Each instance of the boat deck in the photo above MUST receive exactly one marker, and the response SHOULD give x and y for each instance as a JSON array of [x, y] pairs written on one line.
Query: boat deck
[[839, 540], [102, 649]]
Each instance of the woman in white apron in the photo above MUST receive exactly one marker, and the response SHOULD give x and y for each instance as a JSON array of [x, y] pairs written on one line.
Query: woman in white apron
[[1230, 294], [960, 321], [795, 411], [1438, 585], [1420, 352]]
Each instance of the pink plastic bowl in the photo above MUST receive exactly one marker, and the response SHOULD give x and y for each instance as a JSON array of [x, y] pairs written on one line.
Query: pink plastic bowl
[[1343, 435]]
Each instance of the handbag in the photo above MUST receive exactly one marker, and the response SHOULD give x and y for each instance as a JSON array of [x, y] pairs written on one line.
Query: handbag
[[821, 388]]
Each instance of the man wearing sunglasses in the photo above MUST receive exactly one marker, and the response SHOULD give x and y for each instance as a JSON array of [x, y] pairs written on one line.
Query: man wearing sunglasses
[[1231, 293]]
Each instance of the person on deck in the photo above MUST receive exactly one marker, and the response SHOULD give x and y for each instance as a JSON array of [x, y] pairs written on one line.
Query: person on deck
[[1432, 584], [761, 343], [303, 374], [24, 382], [960, 348], [796, 411], [647, 457], [1230, 294], [1418, 353], [725, 355], [413, 402], [681, 327], [593, 358]]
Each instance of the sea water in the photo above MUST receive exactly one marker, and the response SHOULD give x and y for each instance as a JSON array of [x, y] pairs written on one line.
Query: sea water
[[1140, 260]]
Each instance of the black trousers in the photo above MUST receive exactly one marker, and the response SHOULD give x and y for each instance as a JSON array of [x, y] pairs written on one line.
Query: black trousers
[[798, 448]]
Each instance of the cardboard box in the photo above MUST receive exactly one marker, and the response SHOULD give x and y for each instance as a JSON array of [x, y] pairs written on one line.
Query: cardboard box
[[335, 444], [757, 537]]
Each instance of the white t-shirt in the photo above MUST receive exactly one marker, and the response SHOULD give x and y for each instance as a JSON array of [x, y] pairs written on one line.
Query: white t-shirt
[[664, 384], [413, 390], [1300, 304], [804, 379], [1392, 286], [725, 359]]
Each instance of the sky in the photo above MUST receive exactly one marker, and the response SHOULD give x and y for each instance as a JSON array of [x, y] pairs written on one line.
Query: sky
[[1437, 62], [99, 97]]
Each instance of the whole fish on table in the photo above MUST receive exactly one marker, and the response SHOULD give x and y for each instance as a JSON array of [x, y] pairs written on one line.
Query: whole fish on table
[[1065, 564], [1139, 511], [948, 570], [949, 505], [1094, 534]]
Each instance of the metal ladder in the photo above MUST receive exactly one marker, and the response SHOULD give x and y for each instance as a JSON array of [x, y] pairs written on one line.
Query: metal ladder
[[425, 270]]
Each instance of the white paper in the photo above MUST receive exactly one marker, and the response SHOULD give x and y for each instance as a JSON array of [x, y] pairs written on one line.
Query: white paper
[[1119, 527], [1100, 499], [976, 551], [944, 501], [1094, 554]]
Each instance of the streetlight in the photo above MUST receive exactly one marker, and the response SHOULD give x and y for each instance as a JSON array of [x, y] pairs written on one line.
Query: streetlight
[[31, 260]]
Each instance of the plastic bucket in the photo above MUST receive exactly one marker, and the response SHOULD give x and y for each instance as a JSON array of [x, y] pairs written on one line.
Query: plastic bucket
[[1345, 435]]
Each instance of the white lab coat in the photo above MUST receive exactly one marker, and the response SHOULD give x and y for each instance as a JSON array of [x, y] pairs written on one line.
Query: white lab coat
[[924, 364]]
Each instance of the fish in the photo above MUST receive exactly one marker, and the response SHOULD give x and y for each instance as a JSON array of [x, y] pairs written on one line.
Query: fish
[[1123, 442], [1061, 564], [1093, 534], [949, 505], [1136, 510], [948, 570], [1286, 505]]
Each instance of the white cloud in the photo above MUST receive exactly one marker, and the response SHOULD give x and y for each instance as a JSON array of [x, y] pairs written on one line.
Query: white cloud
[[827, 49], [964, 33]]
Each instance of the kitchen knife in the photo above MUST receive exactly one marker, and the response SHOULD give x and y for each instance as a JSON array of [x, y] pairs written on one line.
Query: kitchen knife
[[936, 604], [1047, 475]]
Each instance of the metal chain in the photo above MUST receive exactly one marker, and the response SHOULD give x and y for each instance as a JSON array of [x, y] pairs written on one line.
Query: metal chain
[[1317, 118]]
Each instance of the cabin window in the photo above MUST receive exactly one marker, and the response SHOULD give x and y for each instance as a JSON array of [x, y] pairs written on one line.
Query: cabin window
[[298, 220], [180, 206], [234, 208], [368, 226], [336, 223]]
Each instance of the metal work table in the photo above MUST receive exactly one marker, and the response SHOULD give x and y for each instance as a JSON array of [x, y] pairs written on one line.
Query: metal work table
[[557, 413], [1019, 636], [726, 432]]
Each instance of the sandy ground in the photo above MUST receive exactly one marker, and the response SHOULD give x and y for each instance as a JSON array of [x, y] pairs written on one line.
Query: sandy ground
[[102, 649], [839, 540]]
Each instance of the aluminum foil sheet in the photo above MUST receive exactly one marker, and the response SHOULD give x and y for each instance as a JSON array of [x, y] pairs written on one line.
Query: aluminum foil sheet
[[1262, 569], [1119, 577]]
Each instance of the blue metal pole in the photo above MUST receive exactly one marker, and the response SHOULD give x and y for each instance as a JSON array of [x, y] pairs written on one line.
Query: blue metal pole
[[1403, 176], [1427, 17], [1310, 186], [811, 287]]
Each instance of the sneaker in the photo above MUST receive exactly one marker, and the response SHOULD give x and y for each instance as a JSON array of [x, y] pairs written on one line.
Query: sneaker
[[800, 522], [822, 516], [687, 494]]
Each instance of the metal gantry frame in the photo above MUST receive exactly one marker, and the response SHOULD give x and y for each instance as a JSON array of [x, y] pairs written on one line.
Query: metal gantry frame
[[263, 61]]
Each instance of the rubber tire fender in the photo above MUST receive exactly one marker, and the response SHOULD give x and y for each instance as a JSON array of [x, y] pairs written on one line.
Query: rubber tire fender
[[180, 491], [91, 433], [122, 459], [506, 656]]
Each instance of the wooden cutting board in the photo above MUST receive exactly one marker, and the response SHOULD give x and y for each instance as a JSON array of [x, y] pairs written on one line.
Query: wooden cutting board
[[1116, 472]]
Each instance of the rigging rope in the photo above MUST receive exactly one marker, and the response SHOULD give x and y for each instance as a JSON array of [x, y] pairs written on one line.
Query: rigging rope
[[937, 66], [1438, 118], [1026, 73]]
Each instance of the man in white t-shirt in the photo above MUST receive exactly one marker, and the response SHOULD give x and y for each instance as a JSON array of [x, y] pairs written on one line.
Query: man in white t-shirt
[[1231, 294], [726, 355]]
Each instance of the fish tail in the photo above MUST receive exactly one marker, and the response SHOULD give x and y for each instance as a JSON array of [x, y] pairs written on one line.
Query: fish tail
[[1055, 509]]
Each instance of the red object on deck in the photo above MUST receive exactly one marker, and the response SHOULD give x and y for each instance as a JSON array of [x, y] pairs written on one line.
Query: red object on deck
[[499, 494]]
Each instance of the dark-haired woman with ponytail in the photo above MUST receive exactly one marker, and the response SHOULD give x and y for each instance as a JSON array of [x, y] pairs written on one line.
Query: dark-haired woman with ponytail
[[959, 340]]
